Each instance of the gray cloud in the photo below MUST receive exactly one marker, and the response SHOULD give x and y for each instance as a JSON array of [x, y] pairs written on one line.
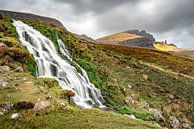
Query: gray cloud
[[171, 20]]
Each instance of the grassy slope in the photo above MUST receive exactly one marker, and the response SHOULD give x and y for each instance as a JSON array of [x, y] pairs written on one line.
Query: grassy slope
[[164, 47], [119, 73], [22, 86]]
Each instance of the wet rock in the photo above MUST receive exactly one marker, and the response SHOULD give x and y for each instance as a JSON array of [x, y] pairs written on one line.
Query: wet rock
[[174, 122], [15, 116], [42, 105], [19, 69], [24, 105], [5, 68], [186, 126], [6, 107], [3, 82], [130, 116]]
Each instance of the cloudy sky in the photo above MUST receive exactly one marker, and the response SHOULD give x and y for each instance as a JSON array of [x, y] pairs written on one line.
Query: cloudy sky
[[171, 20]]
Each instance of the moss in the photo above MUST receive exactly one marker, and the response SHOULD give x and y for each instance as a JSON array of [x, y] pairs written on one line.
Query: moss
[[93, 74]]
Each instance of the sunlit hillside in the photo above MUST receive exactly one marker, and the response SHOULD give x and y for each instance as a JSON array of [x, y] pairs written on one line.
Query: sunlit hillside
[[115, 38]]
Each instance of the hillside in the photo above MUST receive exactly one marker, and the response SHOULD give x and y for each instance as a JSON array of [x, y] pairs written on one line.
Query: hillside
[[173, 49], [153, 86], [134, 38]]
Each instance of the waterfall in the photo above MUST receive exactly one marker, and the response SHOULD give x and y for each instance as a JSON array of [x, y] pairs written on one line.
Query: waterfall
[[51, 65]]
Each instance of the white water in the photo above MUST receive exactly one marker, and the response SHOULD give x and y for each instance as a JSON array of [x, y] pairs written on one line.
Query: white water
[[51, 64]]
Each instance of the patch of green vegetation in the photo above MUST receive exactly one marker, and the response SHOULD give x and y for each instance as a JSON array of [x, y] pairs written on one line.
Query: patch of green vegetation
[[14, 48], [74, 119], [144, 115], [93, 74]]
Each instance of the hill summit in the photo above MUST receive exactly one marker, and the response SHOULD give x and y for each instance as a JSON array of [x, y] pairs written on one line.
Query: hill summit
[[135, 38]]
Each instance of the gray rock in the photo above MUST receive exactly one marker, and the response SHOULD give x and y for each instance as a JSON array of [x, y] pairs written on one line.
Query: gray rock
[[5, 68], [3, 82], [42, 105], [174, 122], [15, 116], [130, 116]]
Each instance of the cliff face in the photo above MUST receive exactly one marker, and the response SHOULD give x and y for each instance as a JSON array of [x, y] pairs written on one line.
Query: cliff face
[[139, 42], [142, 33], [31, 17]]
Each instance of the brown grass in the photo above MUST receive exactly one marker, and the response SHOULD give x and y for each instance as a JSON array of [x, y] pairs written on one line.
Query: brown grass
[[118, 37], [165, 60]]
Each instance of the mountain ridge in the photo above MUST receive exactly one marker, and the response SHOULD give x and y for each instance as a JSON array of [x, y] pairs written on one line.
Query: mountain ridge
[[32, 17]]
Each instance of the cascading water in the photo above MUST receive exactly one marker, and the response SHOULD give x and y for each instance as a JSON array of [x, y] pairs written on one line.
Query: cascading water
[[51, 64]]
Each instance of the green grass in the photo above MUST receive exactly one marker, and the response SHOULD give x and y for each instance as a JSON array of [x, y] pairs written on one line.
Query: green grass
[[24, 87]]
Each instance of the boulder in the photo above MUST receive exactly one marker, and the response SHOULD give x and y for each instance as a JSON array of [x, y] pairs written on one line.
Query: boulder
[[42, 105], [174, 122], [3, 82]]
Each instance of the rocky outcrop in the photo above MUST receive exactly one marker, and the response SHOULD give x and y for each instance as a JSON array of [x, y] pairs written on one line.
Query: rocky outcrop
[[139, 42], [143, 33], [31, 17]]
